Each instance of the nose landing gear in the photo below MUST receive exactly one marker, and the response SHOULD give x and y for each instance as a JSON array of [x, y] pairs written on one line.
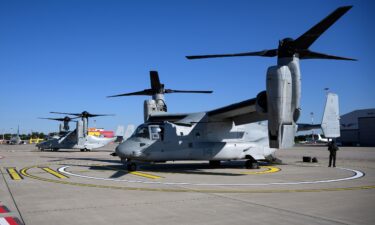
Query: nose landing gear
[[130, 166], [251, 163]]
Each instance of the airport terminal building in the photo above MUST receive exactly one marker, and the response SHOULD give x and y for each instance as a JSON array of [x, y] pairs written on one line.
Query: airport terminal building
[[358, 128]]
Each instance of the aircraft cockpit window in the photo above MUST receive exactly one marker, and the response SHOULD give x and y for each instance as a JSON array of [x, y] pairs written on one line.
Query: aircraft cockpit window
[[142, 132]]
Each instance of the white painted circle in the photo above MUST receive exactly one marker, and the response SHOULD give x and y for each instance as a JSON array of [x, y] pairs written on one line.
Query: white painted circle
[[357, 174]]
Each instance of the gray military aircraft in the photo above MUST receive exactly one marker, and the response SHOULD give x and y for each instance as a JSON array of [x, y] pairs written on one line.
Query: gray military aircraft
[[78, 138], [15, 139], [236, 132]]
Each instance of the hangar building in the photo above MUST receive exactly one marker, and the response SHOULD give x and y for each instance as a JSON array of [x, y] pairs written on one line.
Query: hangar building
[[358, 128]]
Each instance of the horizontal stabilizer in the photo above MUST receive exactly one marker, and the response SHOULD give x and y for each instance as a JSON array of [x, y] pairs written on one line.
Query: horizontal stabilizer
[[306, 127]]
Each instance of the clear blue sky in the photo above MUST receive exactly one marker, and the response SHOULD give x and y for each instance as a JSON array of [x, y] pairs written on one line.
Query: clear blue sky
[[67, 55]]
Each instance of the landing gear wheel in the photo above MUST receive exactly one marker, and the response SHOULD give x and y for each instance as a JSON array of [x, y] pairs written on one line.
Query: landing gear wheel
[[251, 164], [214, 163], [82, 150], [131, 166], [55, 149]]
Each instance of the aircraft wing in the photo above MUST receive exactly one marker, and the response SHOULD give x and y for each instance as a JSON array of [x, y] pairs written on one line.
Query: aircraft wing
[[166, 117], [240, 113]]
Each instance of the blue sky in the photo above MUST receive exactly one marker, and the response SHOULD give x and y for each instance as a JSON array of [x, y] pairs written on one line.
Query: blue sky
[[68, 55]]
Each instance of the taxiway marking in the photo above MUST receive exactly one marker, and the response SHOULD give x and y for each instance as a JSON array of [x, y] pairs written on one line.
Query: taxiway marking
[[8, 221], [54, 173], [26, 174], [270, 169], [357, 174], [145, 175], [4, 209], [13, 173]]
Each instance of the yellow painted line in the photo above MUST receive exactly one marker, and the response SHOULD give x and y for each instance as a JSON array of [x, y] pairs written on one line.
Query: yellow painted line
[[145, 175], [13, 173], [270, 169], [54, 173]]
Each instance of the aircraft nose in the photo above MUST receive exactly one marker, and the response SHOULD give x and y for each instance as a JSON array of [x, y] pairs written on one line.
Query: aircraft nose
[[127, 149], [120, 151]]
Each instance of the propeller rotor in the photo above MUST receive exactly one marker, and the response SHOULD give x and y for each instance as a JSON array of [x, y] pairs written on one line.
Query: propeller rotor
[[83, 114], [63, 119], [157, 88], [299, 47]]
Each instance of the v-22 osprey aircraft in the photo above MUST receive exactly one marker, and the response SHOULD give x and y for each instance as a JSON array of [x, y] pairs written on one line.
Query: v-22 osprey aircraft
[[236, 131], [78, 138]]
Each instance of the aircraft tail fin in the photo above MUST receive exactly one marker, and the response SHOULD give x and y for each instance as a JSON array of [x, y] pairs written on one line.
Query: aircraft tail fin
[[120, 131], [129, 131], [123, 134], [331, 117]]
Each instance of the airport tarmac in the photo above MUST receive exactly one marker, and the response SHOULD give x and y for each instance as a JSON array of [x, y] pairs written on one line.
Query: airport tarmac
[[73, 187]]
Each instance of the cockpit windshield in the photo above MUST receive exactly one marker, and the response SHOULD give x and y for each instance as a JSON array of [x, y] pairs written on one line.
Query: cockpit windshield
[[142, 131], [151, 131]]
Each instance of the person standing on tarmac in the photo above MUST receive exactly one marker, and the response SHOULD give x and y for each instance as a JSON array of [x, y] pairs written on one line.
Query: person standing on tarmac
[[332, 148]]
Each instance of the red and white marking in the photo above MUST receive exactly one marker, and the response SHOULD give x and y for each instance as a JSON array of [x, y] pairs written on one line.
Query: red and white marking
[[8, 221], [3, 209]]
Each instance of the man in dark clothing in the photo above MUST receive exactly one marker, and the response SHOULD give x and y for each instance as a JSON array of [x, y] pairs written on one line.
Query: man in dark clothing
[[332, 148]]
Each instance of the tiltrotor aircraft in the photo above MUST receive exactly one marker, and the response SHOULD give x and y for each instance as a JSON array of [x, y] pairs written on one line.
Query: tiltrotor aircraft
[[78, 138], [236, 131]]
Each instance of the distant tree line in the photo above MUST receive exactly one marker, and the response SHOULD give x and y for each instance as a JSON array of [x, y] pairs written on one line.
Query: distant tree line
[[41, 135]]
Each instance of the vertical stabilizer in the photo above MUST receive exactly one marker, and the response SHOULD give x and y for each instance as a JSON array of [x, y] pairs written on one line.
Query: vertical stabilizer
[[129, 131], [331, 117]]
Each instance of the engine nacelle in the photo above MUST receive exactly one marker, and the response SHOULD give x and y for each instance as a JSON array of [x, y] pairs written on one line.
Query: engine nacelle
[[281, 127], [261, 103], [152, 107], [80, 132]]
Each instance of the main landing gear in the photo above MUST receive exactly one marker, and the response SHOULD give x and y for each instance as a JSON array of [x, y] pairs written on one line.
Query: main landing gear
[[251, 164], [215, 163]]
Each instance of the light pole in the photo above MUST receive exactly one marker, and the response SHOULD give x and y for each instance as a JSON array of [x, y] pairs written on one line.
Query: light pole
[[312, 131]]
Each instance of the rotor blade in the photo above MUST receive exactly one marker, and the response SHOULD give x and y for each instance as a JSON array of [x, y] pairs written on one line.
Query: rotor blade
[[95, 115], [308, 38], [58, 119], [168, 91], [307, 54], [144, 92], [73, 114], [155, 82], [264, 53]]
